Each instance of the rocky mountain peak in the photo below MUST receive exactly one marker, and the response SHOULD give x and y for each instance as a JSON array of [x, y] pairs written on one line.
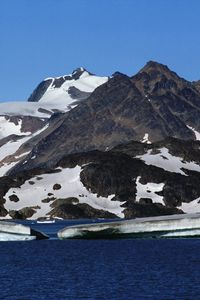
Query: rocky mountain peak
[[117, 73], [79, 70], [153, 66], [158, 79]]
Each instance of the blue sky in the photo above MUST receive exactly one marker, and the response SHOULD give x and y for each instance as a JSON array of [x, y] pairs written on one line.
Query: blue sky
[[42, 38]]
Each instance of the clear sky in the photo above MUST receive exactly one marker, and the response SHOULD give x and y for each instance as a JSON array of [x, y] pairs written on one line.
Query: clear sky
[[42, 38]]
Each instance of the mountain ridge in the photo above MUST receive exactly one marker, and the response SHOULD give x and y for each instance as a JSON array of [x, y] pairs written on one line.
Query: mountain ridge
[[117, 111]]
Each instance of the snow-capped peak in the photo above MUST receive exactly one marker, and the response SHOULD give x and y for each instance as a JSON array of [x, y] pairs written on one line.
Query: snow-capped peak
[[56, 94], [63, 91]]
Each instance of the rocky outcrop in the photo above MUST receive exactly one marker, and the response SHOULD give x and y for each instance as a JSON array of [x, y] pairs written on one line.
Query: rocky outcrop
[[70, 209], [22, 214], [40, 90]]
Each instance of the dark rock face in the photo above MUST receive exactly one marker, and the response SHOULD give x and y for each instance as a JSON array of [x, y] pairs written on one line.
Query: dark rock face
[[3, 212], [48, 199], [145, 201], [77, 94], [40, 91], [70, 209], [56, 186], [28, 123], [14, 198], [22, 214], [111, 174], [148, 210], [197, 85]]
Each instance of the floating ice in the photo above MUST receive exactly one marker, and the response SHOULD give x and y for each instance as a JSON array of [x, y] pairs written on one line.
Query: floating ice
[[163, 226], [10, 231]]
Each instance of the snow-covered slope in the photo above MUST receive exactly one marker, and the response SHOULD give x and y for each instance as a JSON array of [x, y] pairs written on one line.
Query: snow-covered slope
[[63, 96], [9, 156], [34, 192], [7, 127], [25, 119], [168, 162], [60, 94], [20, 108]]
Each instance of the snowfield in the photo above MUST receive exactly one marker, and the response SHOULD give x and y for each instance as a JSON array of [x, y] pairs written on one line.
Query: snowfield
[[166, 161], [86, 83], [71, 186], [191, 207], [10, 148], [7, 128], [148, 191]]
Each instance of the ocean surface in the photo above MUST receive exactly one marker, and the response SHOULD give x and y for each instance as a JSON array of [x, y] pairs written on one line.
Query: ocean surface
[[99, 269]]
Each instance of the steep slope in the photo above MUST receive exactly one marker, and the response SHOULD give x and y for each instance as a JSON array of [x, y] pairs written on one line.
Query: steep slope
[[64, 93], [176, 100]]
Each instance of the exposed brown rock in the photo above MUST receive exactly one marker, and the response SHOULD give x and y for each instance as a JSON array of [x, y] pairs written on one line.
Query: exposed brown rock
[[22, 214], [78, 211], [13, 198], [56, 186], [48, 199]]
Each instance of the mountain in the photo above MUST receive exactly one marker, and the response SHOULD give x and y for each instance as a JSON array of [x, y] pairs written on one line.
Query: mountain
[[150, 106], [115, 146], [22, 122]]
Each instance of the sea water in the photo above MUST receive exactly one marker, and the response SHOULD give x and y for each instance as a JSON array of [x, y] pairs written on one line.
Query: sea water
[[99, 269]]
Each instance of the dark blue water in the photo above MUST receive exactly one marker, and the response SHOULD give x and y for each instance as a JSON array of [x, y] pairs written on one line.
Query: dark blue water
[[100, 269]]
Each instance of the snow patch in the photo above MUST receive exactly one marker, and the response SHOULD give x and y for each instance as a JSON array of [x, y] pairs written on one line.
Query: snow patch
[[191, 207], [197, 134], [7, 128], [146, 139], [168, 162], [149, 190]]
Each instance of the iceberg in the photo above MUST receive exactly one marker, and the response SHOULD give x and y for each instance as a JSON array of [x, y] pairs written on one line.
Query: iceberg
[[10, 231], [184, 225]]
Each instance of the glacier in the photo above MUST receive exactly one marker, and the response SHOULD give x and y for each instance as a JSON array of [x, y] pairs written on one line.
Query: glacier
[[184, 225]]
